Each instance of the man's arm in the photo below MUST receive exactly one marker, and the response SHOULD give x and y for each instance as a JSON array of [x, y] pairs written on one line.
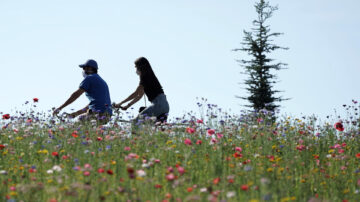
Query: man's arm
[[132, 96], [72, 98], [138, 95]]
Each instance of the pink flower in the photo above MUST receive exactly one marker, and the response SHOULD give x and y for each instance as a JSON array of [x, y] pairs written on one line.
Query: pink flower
[[170, 169], [219, 135], [187, 141], [157, 160], [181, 170], [87, 166], [190, 130], [86, 173], [341, 151], [213, 140], [127, 148], [239, 149], [337, 146], [211, 132], [198, 142], [300, 147], [99, 138], [199, 121], [170, 177]]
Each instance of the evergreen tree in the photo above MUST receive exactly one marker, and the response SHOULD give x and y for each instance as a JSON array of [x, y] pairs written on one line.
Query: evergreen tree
[[257, 43]]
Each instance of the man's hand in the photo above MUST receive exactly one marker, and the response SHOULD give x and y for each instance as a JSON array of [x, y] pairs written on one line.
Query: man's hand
[[116, 105], [125, 108]]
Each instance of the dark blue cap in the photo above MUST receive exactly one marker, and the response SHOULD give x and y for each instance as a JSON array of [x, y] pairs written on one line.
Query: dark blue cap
[[90, 63]]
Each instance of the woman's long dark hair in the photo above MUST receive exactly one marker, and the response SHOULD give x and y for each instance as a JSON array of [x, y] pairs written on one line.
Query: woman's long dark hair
[[143, 66]]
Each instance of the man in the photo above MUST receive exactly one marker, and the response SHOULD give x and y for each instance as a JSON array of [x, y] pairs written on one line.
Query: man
[[96, 91]]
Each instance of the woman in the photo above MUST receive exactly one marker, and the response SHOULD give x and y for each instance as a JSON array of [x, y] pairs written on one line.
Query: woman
[[149, 85]]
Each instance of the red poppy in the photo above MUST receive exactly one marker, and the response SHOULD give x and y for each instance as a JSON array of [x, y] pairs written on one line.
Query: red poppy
[[216, 180], [2, 146], [55, 153], [358, 155], [199, 121], [198, 142], [32, 170], [36, 99], [244, 187], [100, 170], [159, 186], [339, 126], [110, 172], [75, 134], [237, 155], [130, 170], [99, 138], [189, 189], [6, 116]]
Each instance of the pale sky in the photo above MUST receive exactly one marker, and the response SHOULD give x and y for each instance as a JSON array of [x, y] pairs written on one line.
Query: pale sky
[[188, 44]]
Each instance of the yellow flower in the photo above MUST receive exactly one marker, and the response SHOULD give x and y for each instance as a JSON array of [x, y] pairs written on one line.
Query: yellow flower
[[169, 142], [269, 169], [50, 181], [19, 138], [346, 191], [113, 162], [273, 147], [229, 140], [254, 200], [285, 199], [331, 151], [13, 193]]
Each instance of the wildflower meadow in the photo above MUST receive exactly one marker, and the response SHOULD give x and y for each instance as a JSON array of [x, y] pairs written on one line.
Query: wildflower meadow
[[211, 156]]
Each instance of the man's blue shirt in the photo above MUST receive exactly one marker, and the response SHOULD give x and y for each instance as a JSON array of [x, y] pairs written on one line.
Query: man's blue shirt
[[97, 91]]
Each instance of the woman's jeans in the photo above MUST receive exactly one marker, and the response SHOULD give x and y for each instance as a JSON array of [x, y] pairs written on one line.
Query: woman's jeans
[[159, 106]]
